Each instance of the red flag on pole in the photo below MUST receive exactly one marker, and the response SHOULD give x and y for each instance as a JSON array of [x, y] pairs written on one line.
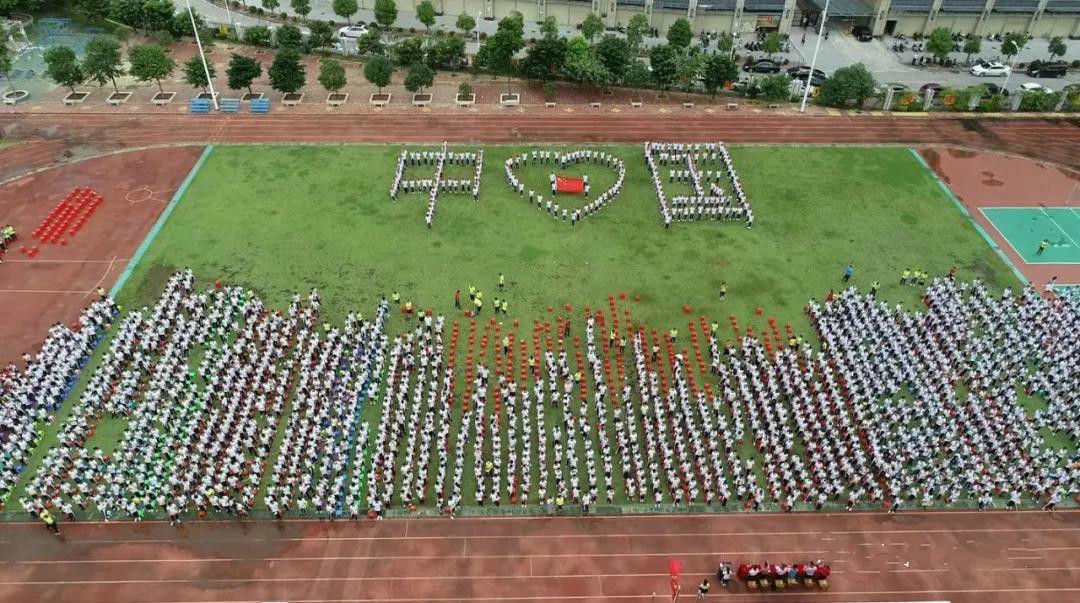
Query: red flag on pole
[[675, 569], [573, 186]]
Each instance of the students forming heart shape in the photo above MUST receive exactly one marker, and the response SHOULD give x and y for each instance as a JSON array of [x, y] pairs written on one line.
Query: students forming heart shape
[[548, 201]]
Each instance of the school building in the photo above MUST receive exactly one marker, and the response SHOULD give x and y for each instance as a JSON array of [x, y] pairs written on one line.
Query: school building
[[1041, 18]]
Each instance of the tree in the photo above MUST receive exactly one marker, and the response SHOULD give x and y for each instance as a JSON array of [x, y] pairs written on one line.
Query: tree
[[719, 69], [409, 51], [420, 76], [180, 25], [724, 42], [258, 35], [637, 75], [331, 75], [9, 6], [286, 73], [549, 27], [195, 75], [636, 30], [346, 9], [425, 13], [289, 36], [1013, 43], [679, 34], [94, 8], [129, 12], [664, 62], [158, 14], [972, 45], [270, 5], [102, 61], [150, 62], [321, 34], [582, 64], [62, 67], [776, 87], [377, 71], [466, 23], [853, 83], [688, 67], [508, 39], [301, 7], [385, 13], [940, 43], [242, 71], [772, 44], [615, 54], [591, 26], [544, 60], [370, 44], [6, 60], [1057, 47], [448, 52]]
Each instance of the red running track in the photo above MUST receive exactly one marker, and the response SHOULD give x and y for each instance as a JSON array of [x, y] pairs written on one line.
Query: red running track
[[962, 556], [1056, 141]]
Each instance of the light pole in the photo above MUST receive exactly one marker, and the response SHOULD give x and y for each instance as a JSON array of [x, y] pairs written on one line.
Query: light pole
[[479, 18], [1012, 64], [813, 61], [198, 42]]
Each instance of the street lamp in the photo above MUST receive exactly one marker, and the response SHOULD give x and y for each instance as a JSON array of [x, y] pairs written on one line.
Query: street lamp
[[1012, 64], [813, 61]]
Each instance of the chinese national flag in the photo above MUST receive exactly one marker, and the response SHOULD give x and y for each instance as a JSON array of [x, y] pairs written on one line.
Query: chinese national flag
[[675, 569], [572, 186]]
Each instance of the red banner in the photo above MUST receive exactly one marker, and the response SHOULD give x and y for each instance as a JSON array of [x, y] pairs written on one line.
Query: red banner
[[573, 186]]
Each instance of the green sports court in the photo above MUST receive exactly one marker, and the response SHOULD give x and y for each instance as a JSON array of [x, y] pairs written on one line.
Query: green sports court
[[1025, 227]]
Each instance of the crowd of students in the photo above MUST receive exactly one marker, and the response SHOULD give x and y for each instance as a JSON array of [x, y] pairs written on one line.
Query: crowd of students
[[707, 201], [896, 408], [198, 434], [30, 396]]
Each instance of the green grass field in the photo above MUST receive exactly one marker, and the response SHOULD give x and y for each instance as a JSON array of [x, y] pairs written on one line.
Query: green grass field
[[285, 219]]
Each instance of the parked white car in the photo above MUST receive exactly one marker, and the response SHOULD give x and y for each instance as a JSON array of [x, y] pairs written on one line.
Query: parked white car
[[990, 69], [352, 31], [1034, 87]]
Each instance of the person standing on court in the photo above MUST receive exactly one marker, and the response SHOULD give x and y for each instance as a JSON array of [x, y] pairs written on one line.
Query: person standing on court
[[849, 270], [1043, 244]]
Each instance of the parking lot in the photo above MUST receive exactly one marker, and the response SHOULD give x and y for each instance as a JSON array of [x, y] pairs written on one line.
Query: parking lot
[[841, 49]]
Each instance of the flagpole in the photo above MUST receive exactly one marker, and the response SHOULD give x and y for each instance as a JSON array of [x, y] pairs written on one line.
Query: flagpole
[[813, 61], [198, 42]]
